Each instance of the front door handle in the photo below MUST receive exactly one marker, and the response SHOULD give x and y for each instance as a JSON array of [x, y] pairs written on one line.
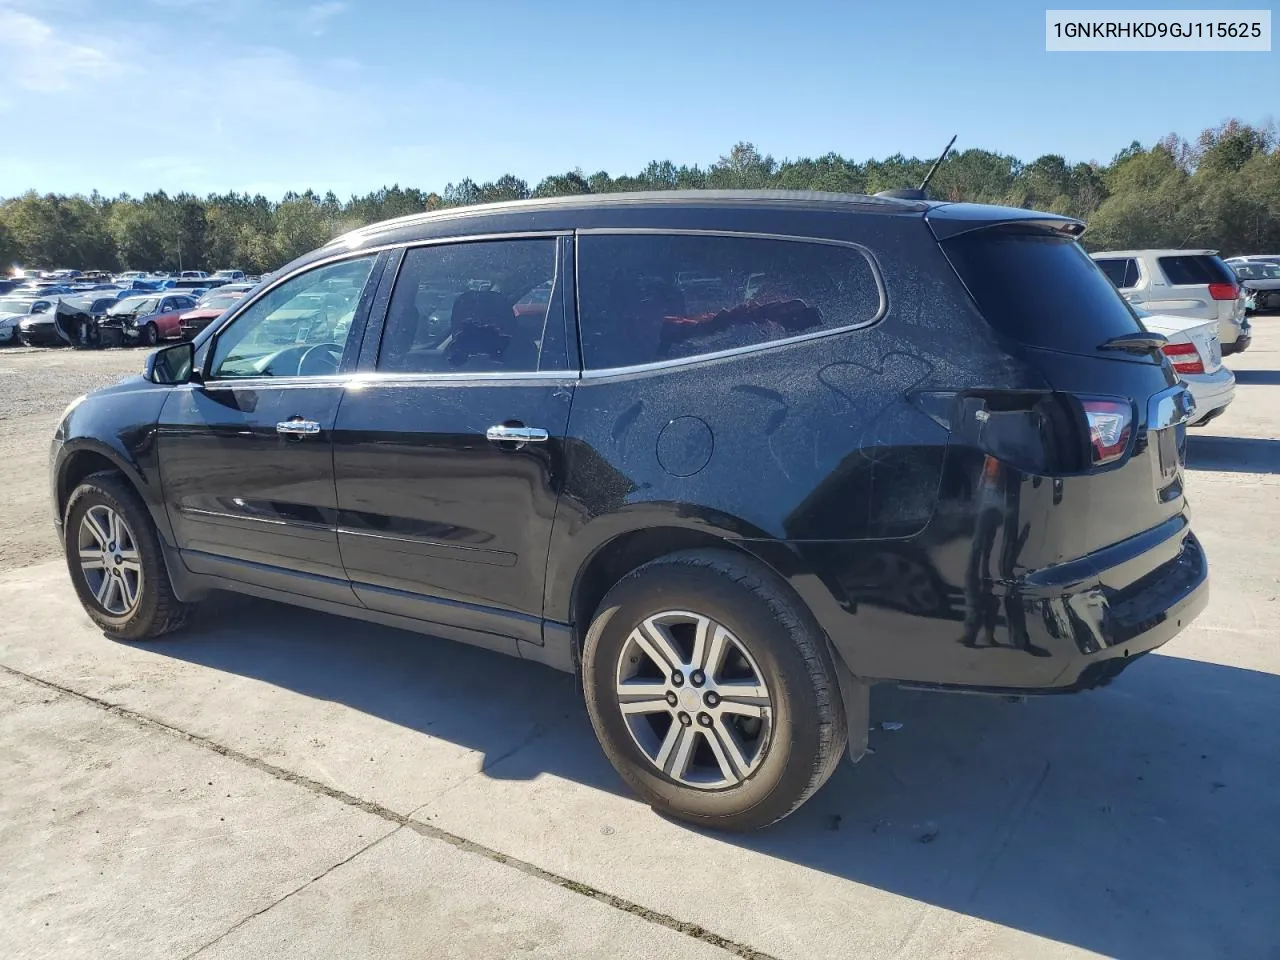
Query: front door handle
[[298, 428], [500, 432]]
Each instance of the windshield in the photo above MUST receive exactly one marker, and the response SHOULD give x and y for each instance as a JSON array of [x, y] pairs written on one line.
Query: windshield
[[15, 306], [143, 306], [217, 303]]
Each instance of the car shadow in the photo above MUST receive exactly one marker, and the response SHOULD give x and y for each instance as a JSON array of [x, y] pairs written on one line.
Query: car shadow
[[1135, 820], [1233, 454], [1257, 377]]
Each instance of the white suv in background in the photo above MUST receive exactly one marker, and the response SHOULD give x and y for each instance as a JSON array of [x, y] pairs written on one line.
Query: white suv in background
[[1182, 283]]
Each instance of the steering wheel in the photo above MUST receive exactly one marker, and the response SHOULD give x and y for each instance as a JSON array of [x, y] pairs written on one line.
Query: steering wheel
[[321, 359]]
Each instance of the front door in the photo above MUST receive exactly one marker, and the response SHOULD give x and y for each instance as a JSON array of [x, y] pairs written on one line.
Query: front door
[[246, 455], [449, 455]]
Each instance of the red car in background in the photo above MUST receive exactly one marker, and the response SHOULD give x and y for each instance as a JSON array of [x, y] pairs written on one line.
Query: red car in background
[[148, 319], [210, 308]]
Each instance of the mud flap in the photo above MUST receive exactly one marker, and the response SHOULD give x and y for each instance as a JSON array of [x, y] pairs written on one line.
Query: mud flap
[[856, 695]]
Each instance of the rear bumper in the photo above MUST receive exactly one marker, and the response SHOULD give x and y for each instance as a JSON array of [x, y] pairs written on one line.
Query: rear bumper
[[1088, 619], [1212, 392], [1240, 344], [916, 617]]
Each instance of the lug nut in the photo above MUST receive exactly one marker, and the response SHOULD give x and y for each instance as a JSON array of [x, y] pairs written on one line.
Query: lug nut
[[677, 679], [704, 719], [698, 678], [684, 718], [671, 698], [712, 698]]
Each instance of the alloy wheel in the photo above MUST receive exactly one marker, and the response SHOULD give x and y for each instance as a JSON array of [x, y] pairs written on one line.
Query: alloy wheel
[[694, 700], [109, 560]]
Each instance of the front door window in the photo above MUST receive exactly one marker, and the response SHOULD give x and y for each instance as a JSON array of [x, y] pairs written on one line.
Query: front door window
[[300, 328]]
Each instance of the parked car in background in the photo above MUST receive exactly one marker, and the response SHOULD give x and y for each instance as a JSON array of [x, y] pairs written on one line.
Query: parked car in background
[[7, 285], [42, 288], [702, 516], [230, 276], [1261, 278], [37, 328], [1183, 283], [148, 319], [206, 311], [190, 285], [95, 305], [241, 288], [1196, 354], [191, 275], [14, 308]]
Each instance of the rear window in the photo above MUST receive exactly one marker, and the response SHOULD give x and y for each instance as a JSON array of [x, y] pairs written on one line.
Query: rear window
[[1040, 289], [649, 297], [1196, 269]]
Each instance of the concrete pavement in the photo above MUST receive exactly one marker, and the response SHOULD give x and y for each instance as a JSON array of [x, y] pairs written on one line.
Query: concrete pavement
[[277, 783]]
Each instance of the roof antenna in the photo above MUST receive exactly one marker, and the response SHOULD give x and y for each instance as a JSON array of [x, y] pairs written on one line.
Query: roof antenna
[[937, 163], [918, 193]]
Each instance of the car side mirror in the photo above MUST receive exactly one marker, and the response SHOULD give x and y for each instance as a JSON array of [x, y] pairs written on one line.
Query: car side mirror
[[172, 365]]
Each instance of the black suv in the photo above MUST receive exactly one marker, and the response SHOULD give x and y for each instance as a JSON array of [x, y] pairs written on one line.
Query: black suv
[[734, 457]]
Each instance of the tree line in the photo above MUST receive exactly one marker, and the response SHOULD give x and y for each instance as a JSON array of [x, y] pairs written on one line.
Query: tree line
[[1219, 190]]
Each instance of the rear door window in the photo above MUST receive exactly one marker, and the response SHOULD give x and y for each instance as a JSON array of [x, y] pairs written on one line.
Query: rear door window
[[480, 307], [1122, 271], [1196, 269], [644, 298], [1040, 289]]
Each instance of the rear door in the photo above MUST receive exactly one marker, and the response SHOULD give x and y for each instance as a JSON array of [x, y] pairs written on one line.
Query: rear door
[[449, 453], [246, 455]]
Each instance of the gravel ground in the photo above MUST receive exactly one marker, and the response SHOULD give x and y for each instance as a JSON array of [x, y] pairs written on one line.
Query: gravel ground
[[36, 384]]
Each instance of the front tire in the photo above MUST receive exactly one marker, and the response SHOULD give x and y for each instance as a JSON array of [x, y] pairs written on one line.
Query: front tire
[[150, 335], [712, 690], [113, 556]]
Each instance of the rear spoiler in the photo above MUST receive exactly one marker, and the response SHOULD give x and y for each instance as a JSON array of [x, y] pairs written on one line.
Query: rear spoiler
[[948, 220]]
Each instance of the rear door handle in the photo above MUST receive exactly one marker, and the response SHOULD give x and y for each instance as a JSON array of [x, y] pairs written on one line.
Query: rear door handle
[[298, 428], [500, 432]]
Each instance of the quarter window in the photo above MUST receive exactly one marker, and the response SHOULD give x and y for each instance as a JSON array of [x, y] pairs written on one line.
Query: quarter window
[[300, 328], [645, 298], [473, 307]]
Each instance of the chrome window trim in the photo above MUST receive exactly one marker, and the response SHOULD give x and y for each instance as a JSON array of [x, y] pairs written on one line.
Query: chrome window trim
[[381, 378], [363, 379], [640, 368]]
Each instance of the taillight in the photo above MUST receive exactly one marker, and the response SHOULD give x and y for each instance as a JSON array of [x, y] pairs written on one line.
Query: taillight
[[1185, 357], [1110, 425], [1224, 291]]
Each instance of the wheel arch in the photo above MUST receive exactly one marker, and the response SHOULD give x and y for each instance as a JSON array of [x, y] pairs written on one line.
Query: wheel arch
[[83, 458], [614, 558]]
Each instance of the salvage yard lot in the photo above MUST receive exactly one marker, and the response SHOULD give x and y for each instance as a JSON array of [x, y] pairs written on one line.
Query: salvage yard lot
[[277, 783]]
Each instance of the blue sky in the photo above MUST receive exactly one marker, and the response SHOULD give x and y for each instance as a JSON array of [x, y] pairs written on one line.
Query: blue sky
[[271, 95]]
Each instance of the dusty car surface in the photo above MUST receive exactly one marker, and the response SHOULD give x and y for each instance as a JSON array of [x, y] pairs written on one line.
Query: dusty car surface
[[732, 458]]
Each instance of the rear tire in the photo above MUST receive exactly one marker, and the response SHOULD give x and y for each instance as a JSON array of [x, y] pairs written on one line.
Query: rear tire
[[125, 589], [741, 772]]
